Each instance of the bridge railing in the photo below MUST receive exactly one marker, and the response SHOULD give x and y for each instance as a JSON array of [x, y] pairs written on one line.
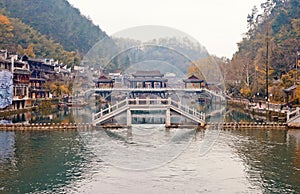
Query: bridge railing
[[110, 108], [293, 114], [187, 109], [149, 102]]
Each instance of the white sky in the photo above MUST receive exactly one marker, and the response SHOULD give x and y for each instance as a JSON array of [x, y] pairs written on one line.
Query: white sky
[[217, 24]]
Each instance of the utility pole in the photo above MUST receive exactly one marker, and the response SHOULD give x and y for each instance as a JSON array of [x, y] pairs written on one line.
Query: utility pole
[[267, 70], [297, 64]]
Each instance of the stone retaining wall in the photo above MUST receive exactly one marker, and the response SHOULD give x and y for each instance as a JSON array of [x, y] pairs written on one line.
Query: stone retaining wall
[[247, 125], [87, 126], [45, 126]]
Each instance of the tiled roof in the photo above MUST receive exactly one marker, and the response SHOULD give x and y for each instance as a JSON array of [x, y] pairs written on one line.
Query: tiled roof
[[22, 71], [193, 79], [104, 79]]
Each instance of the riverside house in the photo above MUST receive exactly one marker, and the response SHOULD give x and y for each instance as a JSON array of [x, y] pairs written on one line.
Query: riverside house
[[30, 77]]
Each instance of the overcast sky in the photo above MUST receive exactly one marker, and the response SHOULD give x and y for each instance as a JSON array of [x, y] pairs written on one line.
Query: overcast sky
[[217, 24]]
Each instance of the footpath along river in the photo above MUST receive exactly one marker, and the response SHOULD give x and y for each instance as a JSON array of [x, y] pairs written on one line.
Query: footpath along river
[[150, 159]]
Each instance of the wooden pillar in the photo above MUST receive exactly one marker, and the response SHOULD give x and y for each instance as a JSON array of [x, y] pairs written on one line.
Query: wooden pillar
[[27, 91], [129, 119]]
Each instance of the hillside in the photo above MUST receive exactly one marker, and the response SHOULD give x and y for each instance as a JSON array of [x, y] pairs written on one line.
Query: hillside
[[175, 51], [58, 20], [273, 32], [18, 37]]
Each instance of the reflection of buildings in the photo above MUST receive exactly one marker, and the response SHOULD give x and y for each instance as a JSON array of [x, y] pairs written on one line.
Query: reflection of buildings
[[294, 135], [7, 140]]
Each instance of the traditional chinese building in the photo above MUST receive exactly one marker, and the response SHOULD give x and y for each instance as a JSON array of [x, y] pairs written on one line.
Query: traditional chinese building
[[62, 73], [193, 82], [104, 82], [21, 77], [5, 63], [42, 71], [38, 88], [42, 68], [147, 79]]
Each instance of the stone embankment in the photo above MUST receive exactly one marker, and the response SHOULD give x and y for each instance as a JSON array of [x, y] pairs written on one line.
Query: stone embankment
[[45, 126], [250, 125], [87, 126]]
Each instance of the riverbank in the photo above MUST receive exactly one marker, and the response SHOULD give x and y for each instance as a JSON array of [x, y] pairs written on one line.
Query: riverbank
[[45, 126], [4, 113], [271, 112], [45, 106]]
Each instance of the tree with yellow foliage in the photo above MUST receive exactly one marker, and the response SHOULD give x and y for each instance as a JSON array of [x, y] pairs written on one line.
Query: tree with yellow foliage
[[245, 91], [6, 29], [59, 89], [29, 51]]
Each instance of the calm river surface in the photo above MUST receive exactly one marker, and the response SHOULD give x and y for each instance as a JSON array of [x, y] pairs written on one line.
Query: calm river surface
[[150, 159]]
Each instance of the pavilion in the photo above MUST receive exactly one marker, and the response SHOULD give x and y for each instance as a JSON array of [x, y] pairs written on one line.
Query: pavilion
[[104, 82], [147, 79], [193, 82]]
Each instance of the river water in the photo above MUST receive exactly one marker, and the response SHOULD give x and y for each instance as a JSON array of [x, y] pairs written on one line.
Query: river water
[[151, 159]]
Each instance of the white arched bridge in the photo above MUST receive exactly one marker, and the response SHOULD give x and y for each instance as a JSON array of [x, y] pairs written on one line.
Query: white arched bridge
[[147, 104]]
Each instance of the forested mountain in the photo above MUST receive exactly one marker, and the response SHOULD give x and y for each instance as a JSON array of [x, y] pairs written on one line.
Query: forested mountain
[[276, 27], [178, 52], [58, 20], [18, 37]]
